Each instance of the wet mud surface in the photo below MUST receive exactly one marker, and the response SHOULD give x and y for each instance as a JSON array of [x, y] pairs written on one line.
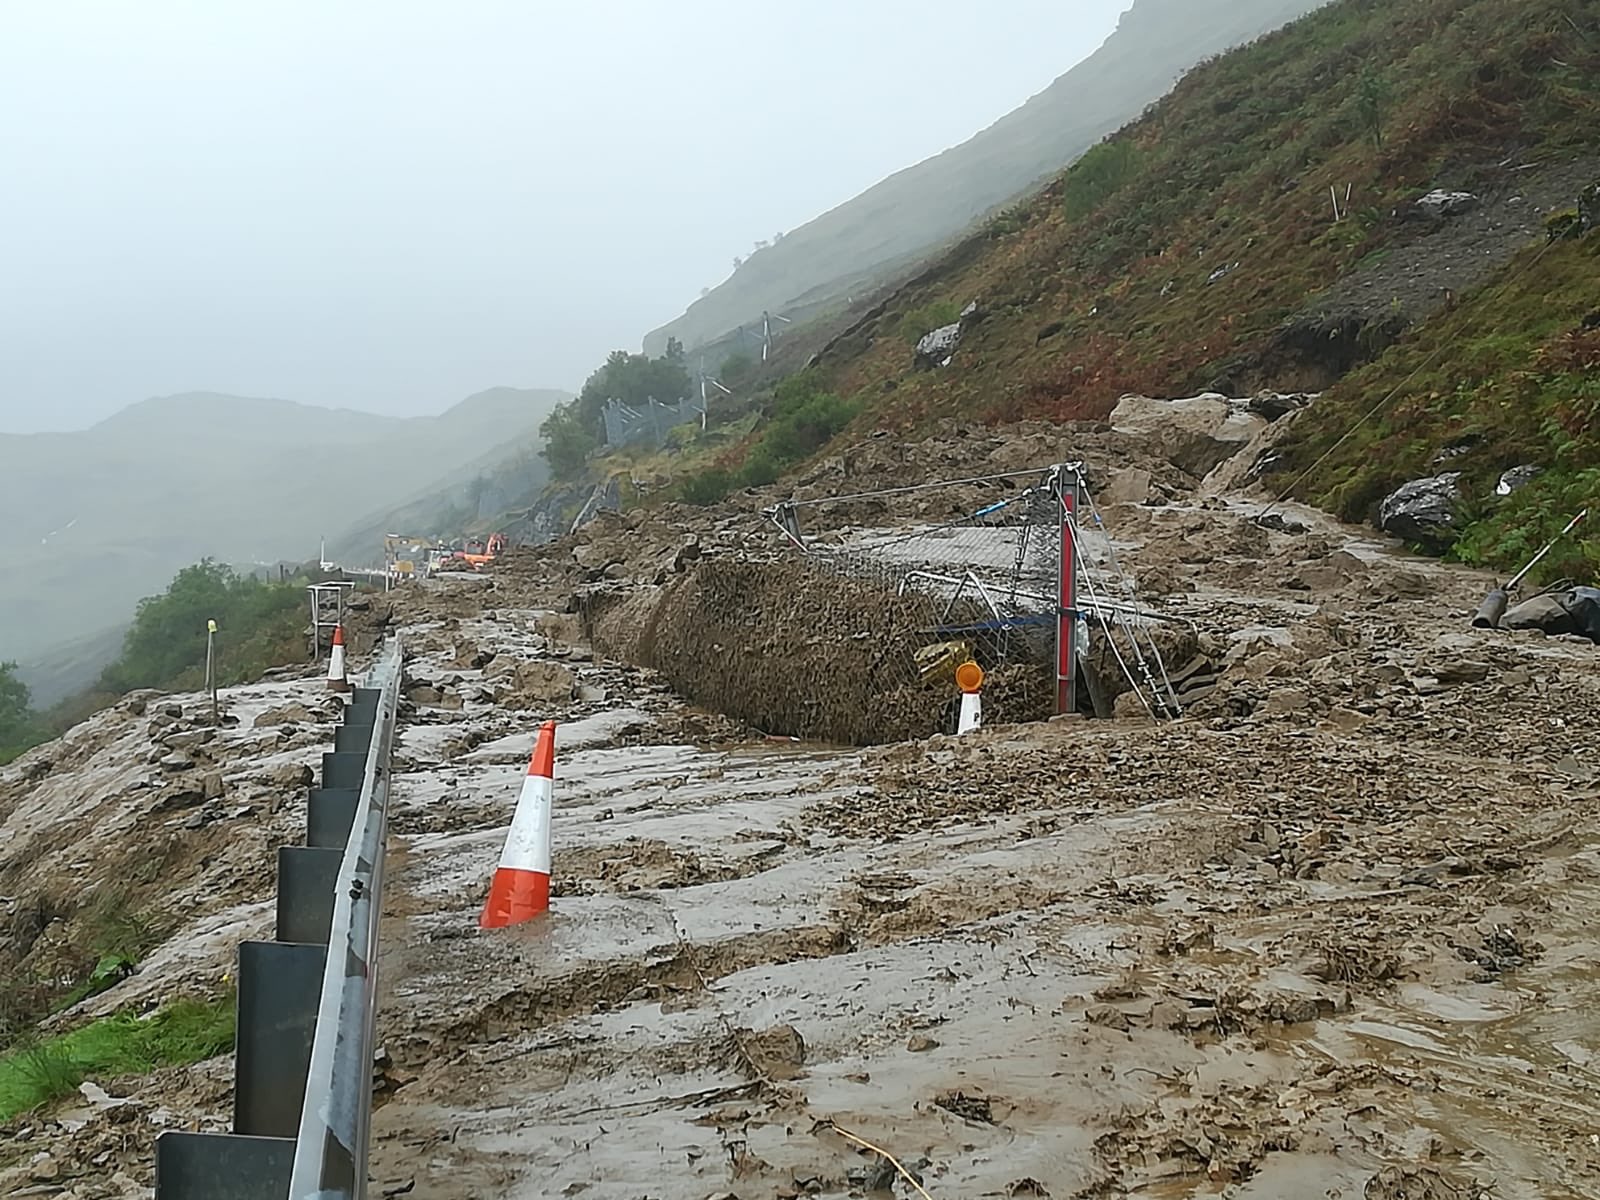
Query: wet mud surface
[[1330, 935]]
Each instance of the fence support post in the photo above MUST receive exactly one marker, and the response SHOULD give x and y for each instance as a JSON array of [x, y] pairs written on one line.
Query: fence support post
[[1066, 494]]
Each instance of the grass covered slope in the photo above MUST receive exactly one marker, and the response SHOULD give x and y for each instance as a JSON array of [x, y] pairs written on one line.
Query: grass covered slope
[[182, 1032], [905, 218], [1198, 246], [1508, 378]]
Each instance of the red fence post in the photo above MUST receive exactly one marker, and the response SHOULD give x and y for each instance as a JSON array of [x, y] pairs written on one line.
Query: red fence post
[[1067, 615]]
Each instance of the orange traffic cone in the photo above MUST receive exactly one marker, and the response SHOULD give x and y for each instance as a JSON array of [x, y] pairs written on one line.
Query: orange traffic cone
[[521, 887], [336, 676], [969, 678]]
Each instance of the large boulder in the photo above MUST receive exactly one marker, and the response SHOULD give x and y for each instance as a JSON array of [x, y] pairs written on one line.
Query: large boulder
[[1423, 511], [287, 775], [1277, 405], [285, 714], [936, 349], [534, 684], [562, 628], [1589, 208], [1548, 614], [1583, 604], [596, 556], [1441, 204], [1196, 435], [1516, 479]]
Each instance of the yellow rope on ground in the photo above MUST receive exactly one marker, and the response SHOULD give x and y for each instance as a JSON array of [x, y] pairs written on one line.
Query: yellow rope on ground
[[881, 1153]]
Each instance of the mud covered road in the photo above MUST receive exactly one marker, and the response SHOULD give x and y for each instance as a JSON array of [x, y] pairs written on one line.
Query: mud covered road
[[1330, 935]]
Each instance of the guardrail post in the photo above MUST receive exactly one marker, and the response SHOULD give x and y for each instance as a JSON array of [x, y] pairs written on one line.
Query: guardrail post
[[222, 1166], [363, 706], [330, 812], [352, 739], [307, 876], [279, 986], [343, 770]]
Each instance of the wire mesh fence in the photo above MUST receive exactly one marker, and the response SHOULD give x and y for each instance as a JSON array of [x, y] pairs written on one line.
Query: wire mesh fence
[[1013, 571], [626, 424]]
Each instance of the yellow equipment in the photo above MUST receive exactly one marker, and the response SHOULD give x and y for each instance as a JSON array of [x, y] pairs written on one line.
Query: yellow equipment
[[940, 661]]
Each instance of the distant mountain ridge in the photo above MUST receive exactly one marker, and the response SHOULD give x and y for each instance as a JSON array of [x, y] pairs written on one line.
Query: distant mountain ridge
[[105, 516], [911, 213]]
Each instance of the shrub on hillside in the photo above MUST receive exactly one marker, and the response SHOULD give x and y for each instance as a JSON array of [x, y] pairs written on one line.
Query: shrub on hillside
[[19, 725], [261, 625], [569, 439], [707, 487], [920, 322], [1100, 174], [801, 420], [737, 368], [804, 418]]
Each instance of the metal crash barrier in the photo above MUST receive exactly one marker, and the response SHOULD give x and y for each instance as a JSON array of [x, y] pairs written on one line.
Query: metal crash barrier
[[304, 1048]]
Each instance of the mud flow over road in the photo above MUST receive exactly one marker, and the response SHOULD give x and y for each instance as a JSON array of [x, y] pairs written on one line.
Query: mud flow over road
[[1330, 935]]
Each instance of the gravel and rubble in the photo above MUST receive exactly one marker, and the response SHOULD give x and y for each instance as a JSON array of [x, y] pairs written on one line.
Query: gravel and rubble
[[1330, 934], [151, 833]]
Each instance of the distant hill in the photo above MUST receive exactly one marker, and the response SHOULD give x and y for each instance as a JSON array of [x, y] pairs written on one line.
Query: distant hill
[[69, 667], [469, 499], [100, 518], [846, 251]]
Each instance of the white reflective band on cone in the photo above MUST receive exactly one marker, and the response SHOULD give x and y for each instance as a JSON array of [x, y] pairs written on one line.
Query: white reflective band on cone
[[971, 712], [528, 843]]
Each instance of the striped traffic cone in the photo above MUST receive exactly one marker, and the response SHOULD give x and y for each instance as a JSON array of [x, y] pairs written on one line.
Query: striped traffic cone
[[969, 678], [521, 887], [336, 676]]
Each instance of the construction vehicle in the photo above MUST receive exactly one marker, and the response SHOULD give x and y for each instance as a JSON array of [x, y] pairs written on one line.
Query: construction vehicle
[[476, 555], [402, 554]]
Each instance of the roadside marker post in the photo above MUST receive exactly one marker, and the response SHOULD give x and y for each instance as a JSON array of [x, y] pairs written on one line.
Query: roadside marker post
[[969, 678], [211, 669]]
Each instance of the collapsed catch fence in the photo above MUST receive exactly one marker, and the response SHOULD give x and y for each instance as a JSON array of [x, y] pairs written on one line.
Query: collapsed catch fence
[[854, 635], [1015, 571]]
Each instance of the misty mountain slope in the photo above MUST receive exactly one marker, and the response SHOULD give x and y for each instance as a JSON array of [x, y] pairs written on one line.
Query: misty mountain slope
[[69, 668], [913, 211], [1198, 249], [477, 494], [100, 518]]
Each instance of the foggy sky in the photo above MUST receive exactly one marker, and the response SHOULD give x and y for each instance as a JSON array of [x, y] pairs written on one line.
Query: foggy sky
[[391, 204]]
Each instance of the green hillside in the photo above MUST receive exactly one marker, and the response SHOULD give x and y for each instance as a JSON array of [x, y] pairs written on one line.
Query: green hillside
[[1199, 248], [1509, 378], [859, 245]]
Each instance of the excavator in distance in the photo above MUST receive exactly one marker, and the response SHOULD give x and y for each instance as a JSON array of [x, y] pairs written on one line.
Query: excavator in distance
[[477, 554]]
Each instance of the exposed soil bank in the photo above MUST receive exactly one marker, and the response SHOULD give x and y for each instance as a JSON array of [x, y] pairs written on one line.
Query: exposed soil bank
[[800, 651]]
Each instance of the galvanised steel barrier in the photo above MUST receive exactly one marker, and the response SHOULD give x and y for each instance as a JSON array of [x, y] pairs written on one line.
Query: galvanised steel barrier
[[303, 1053]]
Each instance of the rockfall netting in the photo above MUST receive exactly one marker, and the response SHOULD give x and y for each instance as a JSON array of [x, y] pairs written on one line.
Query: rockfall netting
[[855, 635]]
